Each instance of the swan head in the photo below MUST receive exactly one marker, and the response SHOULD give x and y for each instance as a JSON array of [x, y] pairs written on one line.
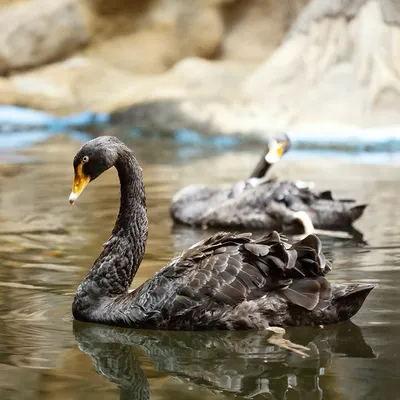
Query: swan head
[[277, 147], [92, 159]]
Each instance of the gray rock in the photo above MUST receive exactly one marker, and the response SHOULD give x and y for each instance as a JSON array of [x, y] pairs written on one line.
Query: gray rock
[[37, 32]]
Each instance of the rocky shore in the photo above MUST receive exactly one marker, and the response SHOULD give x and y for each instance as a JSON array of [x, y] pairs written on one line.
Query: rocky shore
[[226, 66]]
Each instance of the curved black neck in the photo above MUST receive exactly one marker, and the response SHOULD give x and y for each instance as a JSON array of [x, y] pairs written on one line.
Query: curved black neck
[[115, 268], [261, 169]]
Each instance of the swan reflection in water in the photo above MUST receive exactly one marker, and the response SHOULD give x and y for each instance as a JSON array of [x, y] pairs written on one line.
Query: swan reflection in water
[[242, 363]]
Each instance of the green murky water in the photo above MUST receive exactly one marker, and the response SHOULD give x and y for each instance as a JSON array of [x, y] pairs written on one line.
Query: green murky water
[[46, 248]]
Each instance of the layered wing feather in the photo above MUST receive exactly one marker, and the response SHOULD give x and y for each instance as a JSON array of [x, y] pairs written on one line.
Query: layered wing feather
[[233, 282], [229, 269]]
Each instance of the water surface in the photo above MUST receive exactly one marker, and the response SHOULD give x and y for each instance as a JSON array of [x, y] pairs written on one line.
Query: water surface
[[47, 247]]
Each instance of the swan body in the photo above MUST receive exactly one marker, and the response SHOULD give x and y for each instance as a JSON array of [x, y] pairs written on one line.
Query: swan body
[[227, 281], [262, 203]]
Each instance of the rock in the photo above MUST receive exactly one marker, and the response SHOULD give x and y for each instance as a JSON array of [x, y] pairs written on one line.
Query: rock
[[199, 32], [165, 36], [71, 86], [82, 83], [210, 79], [8, 94], [37, 32], [218, 117], [336, 64], [150, 52], [210, 100], [111, 8], [255, 28], [109, 19], [128, 52]]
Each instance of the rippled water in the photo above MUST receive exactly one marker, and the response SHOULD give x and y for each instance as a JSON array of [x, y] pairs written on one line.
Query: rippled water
[[46, 248]]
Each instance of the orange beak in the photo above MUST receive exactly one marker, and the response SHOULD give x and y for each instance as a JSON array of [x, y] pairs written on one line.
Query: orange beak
[[275, 152], [80, 182]]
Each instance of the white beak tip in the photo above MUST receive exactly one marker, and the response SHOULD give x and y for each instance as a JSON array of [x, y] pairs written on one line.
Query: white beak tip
[[72, 198]]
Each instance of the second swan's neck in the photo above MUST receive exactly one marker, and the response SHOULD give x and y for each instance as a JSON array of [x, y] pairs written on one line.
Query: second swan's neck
[[115, 268], [261, 169]]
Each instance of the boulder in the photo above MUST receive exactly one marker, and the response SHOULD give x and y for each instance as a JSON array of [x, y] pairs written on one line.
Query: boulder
[[255, 28], [337, 64], [160, 38], [41, 31], [8, 94], [128, 52], [214, 117], [82, 83], [199, 32], [71, 86], [143, 52], [212, 80]]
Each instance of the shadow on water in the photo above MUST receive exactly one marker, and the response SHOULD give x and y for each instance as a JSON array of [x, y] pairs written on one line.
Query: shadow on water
[[239, 363]]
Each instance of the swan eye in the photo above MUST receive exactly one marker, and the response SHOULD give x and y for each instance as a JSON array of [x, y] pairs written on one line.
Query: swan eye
[[85, 159]]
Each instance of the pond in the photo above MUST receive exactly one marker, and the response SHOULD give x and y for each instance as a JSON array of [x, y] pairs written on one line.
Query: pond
[[47, 247]]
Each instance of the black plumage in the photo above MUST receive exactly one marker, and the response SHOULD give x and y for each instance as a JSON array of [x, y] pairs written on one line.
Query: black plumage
[[262, 203], [227, 281]]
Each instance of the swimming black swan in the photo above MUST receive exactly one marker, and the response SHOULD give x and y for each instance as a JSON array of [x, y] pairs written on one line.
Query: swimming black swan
[[227, 281], [263, 203]]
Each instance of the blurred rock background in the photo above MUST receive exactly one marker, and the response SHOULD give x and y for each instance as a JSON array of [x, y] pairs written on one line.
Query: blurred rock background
[[214, 65]]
